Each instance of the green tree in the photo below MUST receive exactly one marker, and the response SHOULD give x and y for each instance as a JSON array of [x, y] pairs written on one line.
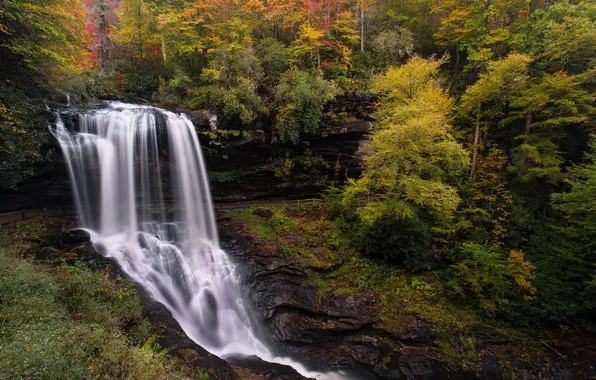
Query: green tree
[[547, 106], [301, 97], [560, 37], [231, 81], [493, 279], [579, 205], [391, 46], [485, 99]]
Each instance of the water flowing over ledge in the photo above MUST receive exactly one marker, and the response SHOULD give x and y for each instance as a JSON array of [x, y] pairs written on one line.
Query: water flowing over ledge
[[121, 161]]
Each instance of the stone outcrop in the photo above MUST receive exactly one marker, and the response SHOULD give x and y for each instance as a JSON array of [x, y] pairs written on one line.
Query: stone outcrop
[[327, 331]]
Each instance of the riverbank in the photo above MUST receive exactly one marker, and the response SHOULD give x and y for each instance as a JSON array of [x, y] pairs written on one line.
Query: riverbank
[[68, 312]]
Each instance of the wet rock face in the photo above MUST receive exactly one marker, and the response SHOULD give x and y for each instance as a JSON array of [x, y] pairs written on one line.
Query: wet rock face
[[75, 236], [327, 332]]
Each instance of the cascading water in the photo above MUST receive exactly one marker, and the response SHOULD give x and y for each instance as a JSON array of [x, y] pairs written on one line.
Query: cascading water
[[120, 161]]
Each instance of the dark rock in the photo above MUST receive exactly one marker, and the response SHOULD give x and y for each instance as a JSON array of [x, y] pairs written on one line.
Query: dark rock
[[322, 332], [170, 335], [48, 253], [75, 237], [266, 214], [266, 369], [490, 368], [554, 368], [419, 331], [414, 363], [485, 340]]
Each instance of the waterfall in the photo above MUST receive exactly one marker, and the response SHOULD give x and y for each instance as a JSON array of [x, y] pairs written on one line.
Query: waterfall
[[140, 187]]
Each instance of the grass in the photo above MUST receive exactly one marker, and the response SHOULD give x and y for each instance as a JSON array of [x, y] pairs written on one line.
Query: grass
[[63, 320]]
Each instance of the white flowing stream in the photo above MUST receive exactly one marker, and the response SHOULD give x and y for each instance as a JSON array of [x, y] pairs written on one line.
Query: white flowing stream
[[122, 161]]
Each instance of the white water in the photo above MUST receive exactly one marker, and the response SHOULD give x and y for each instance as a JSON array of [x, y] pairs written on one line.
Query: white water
[[120, 161]]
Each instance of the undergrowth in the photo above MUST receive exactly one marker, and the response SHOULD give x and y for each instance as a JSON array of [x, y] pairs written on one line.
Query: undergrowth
[[67, 321], [308, 235]]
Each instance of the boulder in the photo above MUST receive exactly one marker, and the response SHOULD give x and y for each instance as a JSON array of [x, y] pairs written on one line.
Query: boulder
[[75, 237]]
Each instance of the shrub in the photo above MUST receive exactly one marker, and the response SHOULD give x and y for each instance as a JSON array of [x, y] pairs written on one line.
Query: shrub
[[403, 241], [301, 97], [485, 273]]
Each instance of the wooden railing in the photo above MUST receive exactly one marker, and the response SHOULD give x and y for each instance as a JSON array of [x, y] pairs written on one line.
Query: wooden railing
[[17, 216]]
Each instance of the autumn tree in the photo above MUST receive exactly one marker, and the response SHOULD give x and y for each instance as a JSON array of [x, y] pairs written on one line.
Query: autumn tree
[[138, 38], [485, 99], [101, 16], [41, 45], [413, 155]]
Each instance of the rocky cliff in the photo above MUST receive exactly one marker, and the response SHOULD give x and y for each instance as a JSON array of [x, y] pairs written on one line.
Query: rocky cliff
[[331, 329], [245, 162]]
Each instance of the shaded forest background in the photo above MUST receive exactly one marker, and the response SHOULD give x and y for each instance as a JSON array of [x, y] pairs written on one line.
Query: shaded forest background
[[482, 160]]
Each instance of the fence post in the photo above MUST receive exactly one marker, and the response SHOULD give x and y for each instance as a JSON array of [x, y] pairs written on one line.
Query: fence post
[[23, 214], [44, 215]]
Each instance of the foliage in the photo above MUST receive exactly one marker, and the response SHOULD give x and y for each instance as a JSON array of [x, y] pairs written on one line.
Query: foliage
[[580, 207], [23, 131], [68, 322], [559, 37], [301, 96], [485, 273], [403, 241], [40, 41], [231, 84], [412, 151], [391, 46], [547, 105]]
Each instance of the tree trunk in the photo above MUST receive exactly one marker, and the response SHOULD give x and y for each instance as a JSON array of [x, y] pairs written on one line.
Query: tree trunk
[[140, 36], [361, 28], [457, 55], [163, 49], [104, 51], [528, 123], [475, 151]]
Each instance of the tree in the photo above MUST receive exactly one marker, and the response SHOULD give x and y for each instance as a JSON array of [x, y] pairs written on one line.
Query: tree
[[393, 45], [101, 19], [138, 35], [485, 99], [579, 205], [484, 272], [413, 155], [41, 45], [230, 84], [307, 47], [547, 106], [454, 24], [560, 37], [301, 96]]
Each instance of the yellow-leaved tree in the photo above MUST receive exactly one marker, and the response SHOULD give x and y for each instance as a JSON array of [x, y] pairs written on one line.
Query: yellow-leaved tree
[[413, 156]]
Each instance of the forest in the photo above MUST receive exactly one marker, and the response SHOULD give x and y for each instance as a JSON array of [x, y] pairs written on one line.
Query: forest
[[480, 167]]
